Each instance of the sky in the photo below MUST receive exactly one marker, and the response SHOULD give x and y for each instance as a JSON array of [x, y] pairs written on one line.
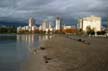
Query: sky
[[17, 12]]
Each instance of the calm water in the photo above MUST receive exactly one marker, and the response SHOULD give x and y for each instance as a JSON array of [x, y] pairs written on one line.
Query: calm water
[[16, 49]]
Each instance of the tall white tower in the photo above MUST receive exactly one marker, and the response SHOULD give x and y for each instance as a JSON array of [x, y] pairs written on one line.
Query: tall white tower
[[31, 22], [57, 26]]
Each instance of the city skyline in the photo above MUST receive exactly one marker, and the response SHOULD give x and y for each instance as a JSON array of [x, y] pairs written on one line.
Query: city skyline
[[17, 12], [91, 22]]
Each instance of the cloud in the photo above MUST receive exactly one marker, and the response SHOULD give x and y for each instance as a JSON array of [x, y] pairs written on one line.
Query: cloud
[[40, 9]]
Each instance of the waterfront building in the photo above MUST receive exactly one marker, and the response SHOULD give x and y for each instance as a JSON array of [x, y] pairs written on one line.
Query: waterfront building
[[58, 24], [18, 29], [93, 22], [67, 27], [31, 22], [30, 27], [34, 28], [44, 25]]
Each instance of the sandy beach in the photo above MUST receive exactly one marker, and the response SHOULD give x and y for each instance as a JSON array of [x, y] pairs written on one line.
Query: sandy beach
[[70, 53]]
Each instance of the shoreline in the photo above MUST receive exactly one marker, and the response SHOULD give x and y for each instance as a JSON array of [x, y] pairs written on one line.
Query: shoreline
[[64, 54], [36, 62]]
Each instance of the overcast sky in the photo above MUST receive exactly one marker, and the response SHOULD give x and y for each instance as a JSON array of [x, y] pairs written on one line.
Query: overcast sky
[[21, 10]]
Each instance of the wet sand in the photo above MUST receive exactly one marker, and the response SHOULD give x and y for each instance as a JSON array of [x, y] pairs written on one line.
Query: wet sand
[[35, 62], [62, 53]]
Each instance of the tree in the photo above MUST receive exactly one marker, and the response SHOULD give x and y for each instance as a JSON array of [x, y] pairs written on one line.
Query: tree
[[90, 31]]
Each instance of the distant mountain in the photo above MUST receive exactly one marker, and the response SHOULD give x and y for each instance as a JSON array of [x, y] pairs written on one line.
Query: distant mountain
[[16, 24], [12, 23]]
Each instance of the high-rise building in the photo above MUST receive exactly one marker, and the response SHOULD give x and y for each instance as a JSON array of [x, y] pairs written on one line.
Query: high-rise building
[[93, 22], [44, 25], [31, 25], [58, 24], [31, 22]]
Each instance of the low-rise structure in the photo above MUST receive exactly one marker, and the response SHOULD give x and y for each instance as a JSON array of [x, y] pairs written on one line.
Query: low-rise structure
[[92, 22], [67, 27]]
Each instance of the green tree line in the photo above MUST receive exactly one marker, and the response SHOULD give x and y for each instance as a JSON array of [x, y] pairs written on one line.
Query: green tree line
[[7, 29]]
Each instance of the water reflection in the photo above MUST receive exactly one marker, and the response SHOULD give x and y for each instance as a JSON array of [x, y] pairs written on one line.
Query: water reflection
[[26, 38], [45, 37], [27, 43], [16, 49]]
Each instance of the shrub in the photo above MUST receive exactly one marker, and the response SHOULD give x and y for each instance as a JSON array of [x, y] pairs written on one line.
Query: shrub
[[101, 33]]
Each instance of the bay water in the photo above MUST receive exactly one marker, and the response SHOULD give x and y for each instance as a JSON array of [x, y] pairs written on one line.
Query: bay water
[[16, 49]]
